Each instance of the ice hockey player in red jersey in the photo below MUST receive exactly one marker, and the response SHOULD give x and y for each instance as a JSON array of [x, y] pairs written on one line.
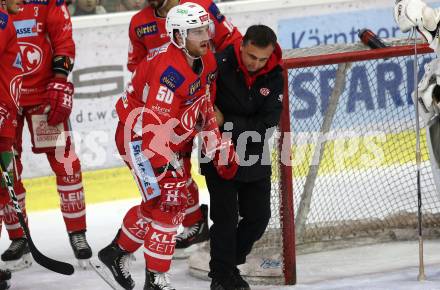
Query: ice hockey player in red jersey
[[147, 34], [147, 31], [166, 104], [44, 34], [10, 85]]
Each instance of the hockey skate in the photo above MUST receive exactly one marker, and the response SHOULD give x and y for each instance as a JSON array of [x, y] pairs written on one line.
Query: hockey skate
[[81, 248], [113, 267], [5, 279], [192, 237], [17, 256], [157, 281]]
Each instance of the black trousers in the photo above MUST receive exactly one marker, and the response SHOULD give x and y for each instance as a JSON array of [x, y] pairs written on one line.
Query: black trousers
[[232, 237]]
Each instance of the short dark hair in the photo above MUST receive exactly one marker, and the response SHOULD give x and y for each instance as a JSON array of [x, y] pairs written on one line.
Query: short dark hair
[[260, 35]]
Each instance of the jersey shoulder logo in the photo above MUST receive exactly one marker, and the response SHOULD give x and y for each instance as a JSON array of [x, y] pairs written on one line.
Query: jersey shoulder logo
[[146, 29], [3, 20], [26, 28], [215, 12], [171, 78]]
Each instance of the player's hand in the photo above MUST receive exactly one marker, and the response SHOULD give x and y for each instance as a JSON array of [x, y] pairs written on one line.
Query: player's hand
[[59, 93], [226, 160], [172, 184], [219, 116], [222, 153], [220, 150], [172, 194]]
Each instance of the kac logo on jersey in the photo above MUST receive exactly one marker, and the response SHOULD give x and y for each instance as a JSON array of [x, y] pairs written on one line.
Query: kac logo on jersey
[[26, 28], [146, 29], [171, 78], [215, 12], [3, 20], [194, 87], [189, 117], [32, 57]]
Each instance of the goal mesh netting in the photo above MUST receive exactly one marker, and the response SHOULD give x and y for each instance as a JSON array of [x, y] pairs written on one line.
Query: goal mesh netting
[[352, 168]]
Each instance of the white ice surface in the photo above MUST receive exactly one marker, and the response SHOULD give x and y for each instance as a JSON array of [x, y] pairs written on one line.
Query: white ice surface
[[380, 267]]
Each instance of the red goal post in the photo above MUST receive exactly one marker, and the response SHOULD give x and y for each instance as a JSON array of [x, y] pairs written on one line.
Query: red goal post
[[342, 102]]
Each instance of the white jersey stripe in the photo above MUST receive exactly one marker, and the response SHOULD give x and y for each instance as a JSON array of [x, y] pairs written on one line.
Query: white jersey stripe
[[164, 229], [72, 187], [192, 209], [74, 215], [156, 255], [13, 226], [130, 236]]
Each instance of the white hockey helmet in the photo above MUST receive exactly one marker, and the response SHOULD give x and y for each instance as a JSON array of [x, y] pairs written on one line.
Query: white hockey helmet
[[184, 17]]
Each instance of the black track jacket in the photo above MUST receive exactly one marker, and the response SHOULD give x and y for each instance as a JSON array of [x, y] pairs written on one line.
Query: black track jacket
[[253, 104]]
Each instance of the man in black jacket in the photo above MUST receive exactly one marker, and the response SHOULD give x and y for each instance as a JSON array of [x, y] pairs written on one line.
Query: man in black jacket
[[248, 107]]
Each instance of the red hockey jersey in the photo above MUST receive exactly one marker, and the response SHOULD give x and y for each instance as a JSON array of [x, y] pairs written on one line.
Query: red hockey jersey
[[10, 63], [163, 101], [44, 29], [147, 31]]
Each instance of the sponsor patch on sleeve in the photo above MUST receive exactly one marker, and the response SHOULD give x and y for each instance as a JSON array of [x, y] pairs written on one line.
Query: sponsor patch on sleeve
[[171, 78], [215, 12], [195, 87], [3, 20], [146, 29]]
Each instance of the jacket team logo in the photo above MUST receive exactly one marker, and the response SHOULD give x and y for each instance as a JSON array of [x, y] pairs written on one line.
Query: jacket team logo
[[264, 91]]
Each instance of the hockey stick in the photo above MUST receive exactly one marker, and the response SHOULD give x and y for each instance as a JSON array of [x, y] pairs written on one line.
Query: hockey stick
[[48, 263], [421, 276]]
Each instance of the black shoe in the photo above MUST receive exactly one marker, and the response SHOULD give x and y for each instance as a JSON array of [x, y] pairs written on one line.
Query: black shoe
[[222, 282], [16, 250], [197, 233], [5, 277], [80, 247], [157, 281], [239, 282], [117, 261]]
